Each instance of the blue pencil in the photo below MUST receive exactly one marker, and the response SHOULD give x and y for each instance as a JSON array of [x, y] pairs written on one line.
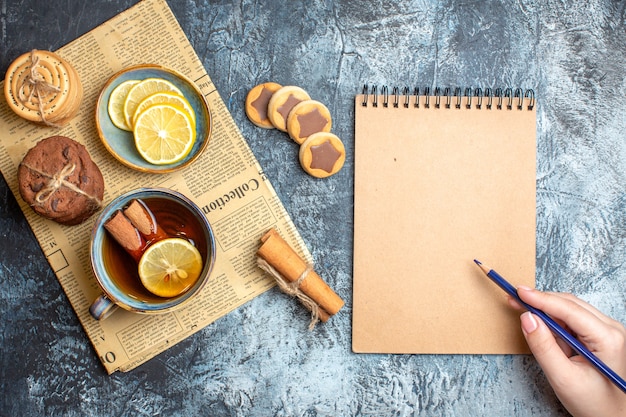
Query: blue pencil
[[574, 343]]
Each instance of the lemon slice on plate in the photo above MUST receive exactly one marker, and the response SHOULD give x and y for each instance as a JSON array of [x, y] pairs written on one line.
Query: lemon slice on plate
[[117, 99], [170, 267], [142, 90], [164, 134], [166, 97]]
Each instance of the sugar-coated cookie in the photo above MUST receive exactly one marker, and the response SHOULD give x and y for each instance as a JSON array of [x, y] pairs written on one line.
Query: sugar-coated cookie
[[306, 118], [59, 181], [282, 102], [257, 101], [322, 154]]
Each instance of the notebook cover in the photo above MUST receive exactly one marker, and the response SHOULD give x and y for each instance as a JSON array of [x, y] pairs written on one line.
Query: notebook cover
[[436, 188]]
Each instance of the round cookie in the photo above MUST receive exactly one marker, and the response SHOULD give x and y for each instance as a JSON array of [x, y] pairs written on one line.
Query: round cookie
[[257, 101], [59, 180], [322, 154], [42, 87], [306, 118], [282, 102]]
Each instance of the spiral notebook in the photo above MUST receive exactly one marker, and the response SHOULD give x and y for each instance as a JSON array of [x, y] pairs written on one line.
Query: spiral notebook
[[441, 179]]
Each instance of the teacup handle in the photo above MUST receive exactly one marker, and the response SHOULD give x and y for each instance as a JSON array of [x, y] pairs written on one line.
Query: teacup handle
[[102, 308]]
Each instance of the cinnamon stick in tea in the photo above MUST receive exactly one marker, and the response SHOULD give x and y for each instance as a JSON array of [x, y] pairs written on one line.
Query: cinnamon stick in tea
[[135, 228], [124, 233], [143, 219], [280, 256]]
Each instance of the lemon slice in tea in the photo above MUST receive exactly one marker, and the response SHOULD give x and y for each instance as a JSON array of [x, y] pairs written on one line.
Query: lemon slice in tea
[[142, 90], [170, 267], [164, 134], [166, 97], [117, 99]]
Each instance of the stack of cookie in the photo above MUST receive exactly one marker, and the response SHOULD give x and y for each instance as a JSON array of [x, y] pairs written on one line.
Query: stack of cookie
[[42, 87], [59, 181], [308, 122]]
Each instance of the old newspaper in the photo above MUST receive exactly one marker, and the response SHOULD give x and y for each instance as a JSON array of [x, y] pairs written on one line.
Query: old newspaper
[[149, 33]]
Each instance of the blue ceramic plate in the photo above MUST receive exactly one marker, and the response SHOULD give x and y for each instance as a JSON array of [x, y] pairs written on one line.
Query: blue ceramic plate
[[121, 143]]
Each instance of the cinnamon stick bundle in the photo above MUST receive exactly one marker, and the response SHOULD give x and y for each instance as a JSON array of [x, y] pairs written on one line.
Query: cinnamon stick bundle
[[287, 264]]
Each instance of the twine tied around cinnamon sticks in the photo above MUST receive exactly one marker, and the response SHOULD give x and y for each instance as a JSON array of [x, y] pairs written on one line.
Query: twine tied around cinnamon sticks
[[293, 289], [57, 181], [297, 278]]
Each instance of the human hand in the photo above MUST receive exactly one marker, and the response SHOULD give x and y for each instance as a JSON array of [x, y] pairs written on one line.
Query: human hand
[[581, 388]]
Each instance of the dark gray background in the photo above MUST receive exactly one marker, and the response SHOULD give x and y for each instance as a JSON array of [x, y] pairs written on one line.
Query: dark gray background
[[260, 360]]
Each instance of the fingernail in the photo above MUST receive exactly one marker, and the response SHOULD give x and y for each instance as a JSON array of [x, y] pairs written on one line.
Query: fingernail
[[525, 288], [529, 322]]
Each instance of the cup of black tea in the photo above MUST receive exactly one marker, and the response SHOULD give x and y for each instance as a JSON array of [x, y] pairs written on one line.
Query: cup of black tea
[[147, 223]]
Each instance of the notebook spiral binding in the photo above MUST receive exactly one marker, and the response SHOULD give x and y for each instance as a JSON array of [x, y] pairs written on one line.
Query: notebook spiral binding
[[508, 98]]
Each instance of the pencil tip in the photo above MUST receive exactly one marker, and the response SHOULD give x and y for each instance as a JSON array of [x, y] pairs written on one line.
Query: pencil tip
[[481, 266]]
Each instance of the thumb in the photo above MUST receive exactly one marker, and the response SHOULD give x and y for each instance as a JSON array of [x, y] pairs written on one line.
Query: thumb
[[544, 346]]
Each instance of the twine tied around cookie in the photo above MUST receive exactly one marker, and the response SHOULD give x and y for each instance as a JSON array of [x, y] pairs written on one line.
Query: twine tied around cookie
[[57, 181], [293, 289], [39, 88]]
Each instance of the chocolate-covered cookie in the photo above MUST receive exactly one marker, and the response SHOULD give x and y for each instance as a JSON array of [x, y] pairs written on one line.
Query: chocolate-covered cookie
[[60, 181], [282, 102], [306, 118], [322, 154], [257, 101]]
